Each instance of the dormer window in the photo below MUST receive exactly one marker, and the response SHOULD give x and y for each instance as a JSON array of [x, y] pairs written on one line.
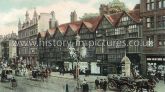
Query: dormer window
[[124, 19]]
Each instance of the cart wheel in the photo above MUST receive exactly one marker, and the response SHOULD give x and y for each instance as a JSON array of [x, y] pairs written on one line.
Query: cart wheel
[[125, 88], [133, 88], [112, 85]]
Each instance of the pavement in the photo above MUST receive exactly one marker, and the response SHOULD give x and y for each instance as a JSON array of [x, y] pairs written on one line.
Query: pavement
[[90, 78], [57, 83]]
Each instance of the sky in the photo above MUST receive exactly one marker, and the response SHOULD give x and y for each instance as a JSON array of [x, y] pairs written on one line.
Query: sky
[[13, 10]]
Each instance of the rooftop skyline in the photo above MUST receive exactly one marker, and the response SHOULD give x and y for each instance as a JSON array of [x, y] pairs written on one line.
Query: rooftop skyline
[[12, 10]]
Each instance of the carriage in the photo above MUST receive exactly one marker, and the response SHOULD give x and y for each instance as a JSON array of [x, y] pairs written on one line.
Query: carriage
[[39, 74], [124, 84], [130, 84], [4, 75], [127, 84]]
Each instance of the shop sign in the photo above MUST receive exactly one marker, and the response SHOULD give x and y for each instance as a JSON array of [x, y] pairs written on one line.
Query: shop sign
[[155, 59]]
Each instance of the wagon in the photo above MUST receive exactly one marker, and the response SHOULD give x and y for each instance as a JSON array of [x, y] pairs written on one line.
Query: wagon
[[4, 74], [124, 84]]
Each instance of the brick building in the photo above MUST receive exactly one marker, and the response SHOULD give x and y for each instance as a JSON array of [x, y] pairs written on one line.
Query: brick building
[[153, 16]]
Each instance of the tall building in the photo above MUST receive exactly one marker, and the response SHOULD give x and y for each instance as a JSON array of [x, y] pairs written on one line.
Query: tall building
[[113, 7], [8, 49], [1, 39], [73, 16], [153, 16], [27, 32]]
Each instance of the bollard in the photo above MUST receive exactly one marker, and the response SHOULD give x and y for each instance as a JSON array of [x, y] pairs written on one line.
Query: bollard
[[67, 90]]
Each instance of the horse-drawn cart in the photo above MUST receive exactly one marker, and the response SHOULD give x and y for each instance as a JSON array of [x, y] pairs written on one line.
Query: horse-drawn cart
[[124, 84], [144, 84], [127, 84]]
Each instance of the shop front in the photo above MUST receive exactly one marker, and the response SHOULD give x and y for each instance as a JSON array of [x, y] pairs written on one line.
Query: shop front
[[155, 64]]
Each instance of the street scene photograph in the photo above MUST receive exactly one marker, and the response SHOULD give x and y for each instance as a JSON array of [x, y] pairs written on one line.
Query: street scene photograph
[[82, 45]]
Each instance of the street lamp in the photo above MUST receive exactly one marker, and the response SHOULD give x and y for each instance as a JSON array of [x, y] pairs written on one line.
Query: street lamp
[[77, 55]]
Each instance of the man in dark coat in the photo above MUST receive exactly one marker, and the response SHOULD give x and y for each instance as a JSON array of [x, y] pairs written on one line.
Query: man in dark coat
[[164, 78], [85, 86], [97, 83], [105, 85], [101, 83]]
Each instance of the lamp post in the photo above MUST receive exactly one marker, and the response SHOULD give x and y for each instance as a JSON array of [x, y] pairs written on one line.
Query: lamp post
[[77, 55]]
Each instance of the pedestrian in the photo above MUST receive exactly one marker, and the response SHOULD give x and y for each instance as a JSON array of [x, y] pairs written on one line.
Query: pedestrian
[[105, 85], [97, 83], [85, 86], [101, 83], [164, 78], [67, 90], [86, 72], [63, 71]]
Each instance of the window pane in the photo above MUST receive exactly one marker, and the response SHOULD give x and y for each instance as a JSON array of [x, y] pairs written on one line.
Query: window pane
[[148, 20], [160, 43], [163, 3], [152, 0], [148, 6], [152, 6], [160, 4]]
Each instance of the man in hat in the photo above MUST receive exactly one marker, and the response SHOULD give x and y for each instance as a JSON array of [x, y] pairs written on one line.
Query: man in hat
[[97, 83]]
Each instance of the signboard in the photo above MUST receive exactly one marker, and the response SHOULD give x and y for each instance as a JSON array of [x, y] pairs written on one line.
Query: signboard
[[156, 59], [94, 68]]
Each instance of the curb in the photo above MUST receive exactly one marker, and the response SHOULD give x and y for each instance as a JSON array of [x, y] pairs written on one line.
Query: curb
[[61, 77], [69, 78]]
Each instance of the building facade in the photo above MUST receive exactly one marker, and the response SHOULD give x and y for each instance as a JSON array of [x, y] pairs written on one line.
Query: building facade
[[1, 39], [9, 49], [122, 27], [27, 32], [153, 16]]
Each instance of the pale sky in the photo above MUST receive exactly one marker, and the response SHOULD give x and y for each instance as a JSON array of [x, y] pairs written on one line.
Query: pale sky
[[12, 10]]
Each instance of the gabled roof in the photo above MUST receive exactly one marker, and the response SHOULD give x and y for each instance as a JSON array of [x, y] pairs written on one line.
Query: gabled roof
[[51, 31], [75, 26], [88, 25], [57, 31], [63, 28], [92, 24], [135, 15], [114, 18]]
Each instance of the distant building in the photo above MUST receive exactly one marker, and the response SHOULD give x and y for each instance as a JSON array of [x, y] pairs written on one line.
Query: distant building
[[89, 16], [113, 7], [73, 16], [8, 49], [1, 39], [27, 32]]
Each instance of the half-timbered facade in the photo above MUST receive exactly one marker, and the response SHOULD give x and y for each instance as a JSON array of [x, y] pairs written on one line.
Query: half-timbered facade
[[69, 38], [116, 32], [101, 55], [127, 36], [87, 34]]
